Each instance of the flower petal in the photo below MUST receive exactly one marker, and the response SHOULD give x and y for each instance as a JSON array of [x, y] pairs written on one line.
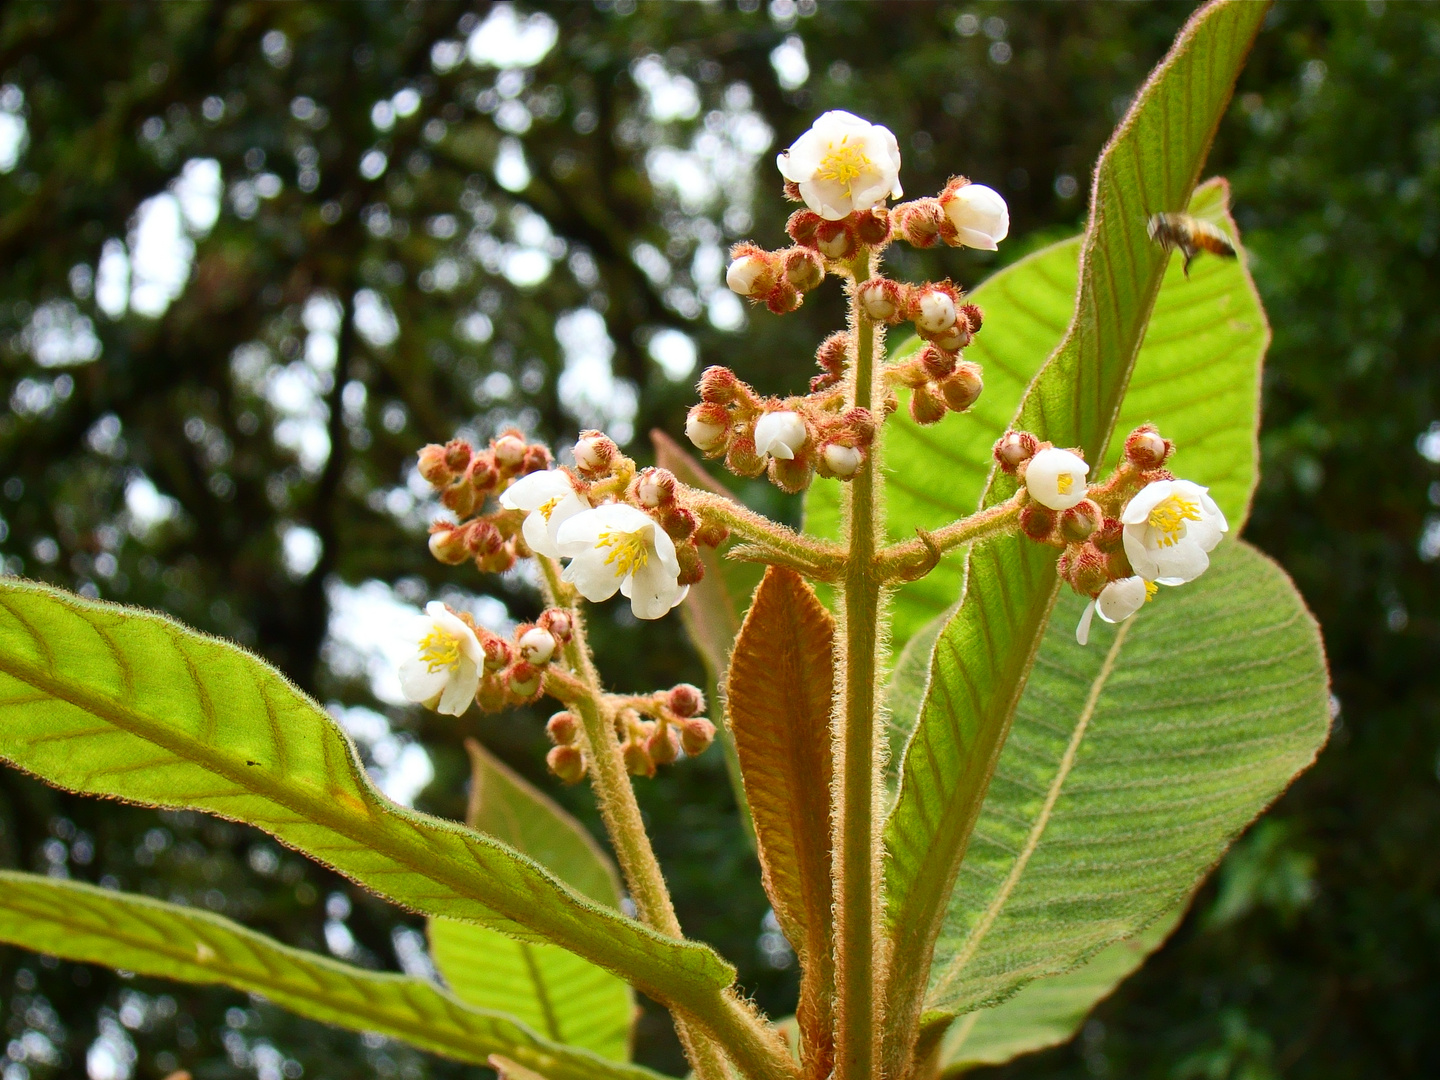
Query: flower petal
[[460, 689], [1137, 511], [1082, 629], [1182, 561], [1141, 559]]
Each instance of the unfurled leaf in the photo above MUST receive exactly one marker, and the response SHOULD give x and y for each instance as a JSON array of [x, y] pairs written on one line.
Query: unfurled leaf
[[1132, 764], [552, 990], [96, 926], [985, 652], [780, 691], [110, 701], [1050, 1011]]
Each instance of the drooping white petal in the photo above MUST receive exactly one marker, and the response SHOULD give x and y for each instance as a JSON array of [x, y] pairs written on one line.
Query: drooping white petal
[[418, 683], [1082, 629], [1118, 600], [459, 689], [779, 434]]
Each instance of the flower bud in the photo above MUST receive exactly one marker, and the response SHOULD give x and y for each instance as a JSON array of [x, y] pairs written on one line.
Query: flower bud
[[718, 385], [918, 222], [937, 363], [509, 450], [833, 355], [707, 425], [974, 317], [780, 434], [498, 653], [1146, 449], [595, 454], [692, 567], [563, 728], [935, 311], [1014, 449], [522, 680], [711, 534], [783, 298], [802, 226], [1056, 478], [567, 763], [696, 735], [962, 389], [677, 521], [803, 269], [841, 462], [434, 467], [1086, 570], [485, 539], [460, 498], [1080, 521], [655, 487], [559, 622], [537, 458], [741, 458], [491, 694], [861, 423], [482, 475], [926, 406], [881, 300], [954, 339], [873, 226], [537, 646], [663, 745], [750, 275], [496, 562], [1037, 522], [685, 700], [977, 214], [637, 759], [835, 241], [450, 544], [791, 475], [1109, 537]]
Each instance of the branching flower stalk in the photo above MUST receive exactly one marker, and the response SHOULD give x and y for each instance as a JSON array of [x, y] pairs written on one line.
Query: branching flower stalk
[[605, 525]]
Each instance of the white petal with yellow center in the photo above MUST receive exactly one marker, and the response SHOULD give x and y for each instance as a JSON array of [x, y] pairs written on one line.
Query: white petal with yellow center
[[843, 164], [1056, 478], [1169, 529], [617, 548], [444, 673], [549, 500]]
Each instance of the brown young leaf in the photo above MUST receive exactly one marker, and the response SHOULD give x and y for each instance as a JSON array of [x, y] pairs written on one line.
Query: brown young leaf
[[779, 692]]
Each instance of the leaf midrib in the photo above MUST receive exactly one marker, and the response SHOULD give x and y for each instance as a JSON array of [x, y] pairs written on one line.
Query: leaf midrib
[[1042, 819]]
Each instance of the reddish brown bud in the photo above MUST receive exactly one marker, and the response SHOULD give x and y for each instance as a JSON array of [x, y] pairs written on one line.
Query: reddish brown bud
[[802, 226], [498, 561], [834, 353], [792, 191], [883, 300], [482, 475], [637, 759], [783, 298], [1117, 565], [707, 426], [1014, 449], [718, 384], [563, 728], [595, 454], [1080, 521], [522, 680], [450, 544], [1146, 449], [803, 269], [741, 458], [791, 475], [873, 226], [491, 694], [861, 423], [1110, 536], [1087, 570], [962, 389], [686, 700], [835, 241], [485, 538], [567, 763], [663, 745], [537, 458], [711, 534], [559, 622], [692, 568], [919, 222], [973, 317], [461, 498], [655, 487], [498, 653], [434, 467], [696, 735], [926, 406], [678, 522], [937, 362], [1037, 522], [509, 450]]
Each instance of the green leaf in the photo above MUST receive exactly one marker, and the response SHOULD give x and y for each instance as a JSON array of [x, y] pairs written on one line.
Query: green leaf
[[1048, 1012], [1197, 377], [552, 990], [108, 701], [82, 923], [1132, 764], [985, 652]]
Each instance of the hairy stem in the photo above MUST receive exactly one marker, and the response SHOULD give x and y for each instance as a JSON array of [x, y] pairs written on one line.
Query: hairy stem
[[814, 558], [752, 1045], [857, 762], [915, 558]]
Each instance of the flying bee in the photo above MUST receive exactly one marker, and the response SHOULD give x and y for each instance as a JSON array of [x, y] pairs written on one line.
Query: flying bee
[[1190, 235]]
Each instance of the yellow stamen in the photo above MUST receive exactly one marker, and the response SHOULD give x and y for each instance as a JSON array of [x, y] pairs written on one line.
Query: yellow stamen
[[845, 162], [440, 650], [548, 508], [1169, 518], [1150, 590], [628, 551], [1064, 482]]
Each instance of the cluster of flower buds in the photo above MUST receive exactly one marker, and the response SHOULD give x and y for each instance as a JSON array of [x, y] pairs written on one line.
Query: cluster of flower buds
[[940, 379], [458, 662], [791, 438], [1141, 528], [778, 279], [962, 215], [465, 478]]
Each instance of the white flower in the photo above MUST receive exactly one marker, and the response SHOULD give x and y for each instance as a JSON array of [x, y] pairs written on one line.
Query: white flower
[[1117, 601], [549, 501], [779, 434], [616, 546], [843, 461], [445, 672], [1056, 478], [979, 215], [937, 312], [747, 274], [1169, 529], [843, 164], [703, 433]]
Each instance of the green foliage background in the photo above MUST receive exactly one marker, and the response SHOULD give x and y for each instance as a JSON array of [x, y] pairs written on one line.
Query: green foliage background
[[1314, 951]]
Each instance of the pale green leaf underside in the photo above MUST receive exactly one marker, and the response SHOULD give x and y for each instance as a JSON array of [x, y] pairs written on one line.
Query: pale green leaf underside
[[984, 654], [115, 702], [1197, 377], [1050, 1011], [554, 991], [82, 923], [1180, 728]]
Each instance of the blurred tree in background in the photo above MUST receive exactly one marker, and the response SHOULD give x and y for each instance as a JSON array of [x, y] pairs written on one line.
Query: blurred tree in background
[[255, 255]]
